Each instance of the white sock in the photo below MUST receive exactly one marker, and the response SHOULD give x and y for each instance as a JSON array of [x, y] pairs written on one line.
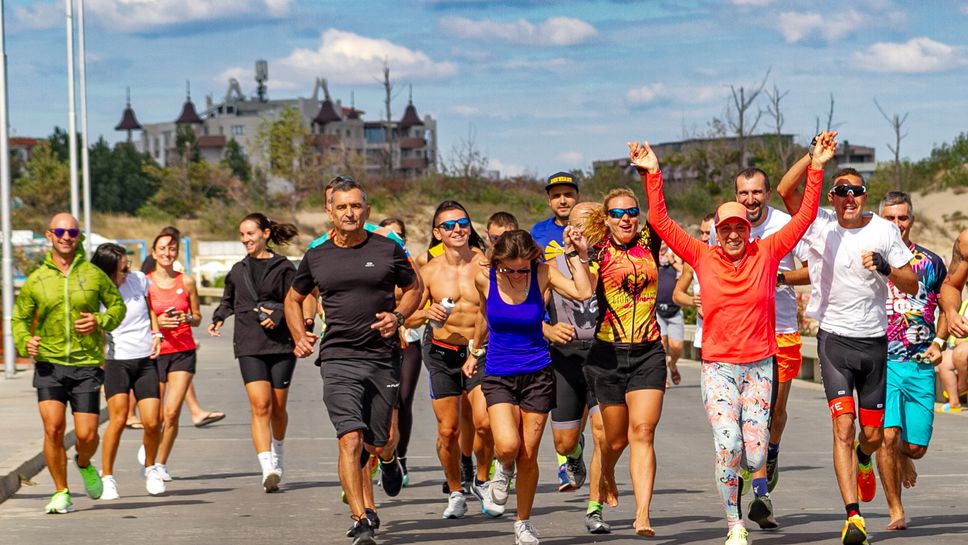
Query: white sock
[[278, 447], [265, 460]]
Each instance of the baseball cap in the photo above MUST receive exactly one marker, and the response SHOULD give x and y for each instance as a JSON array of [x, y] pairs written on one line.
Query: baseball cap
[[561, 178], [729, 211]]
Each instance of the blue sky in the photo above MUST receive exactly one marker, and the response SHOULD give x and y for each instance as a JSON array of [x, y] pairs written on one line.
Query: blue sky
[[540, 86]]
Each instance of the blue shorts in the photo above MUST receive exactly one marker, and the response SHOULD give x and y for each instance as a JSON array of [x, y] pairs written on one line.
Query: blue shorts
[[910, 400]]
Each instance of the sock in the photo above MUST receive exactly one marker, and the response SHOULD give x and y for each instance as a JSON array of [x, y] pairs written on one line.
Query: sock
[[759, 487], [278, 446], [772, 451], [466, 460], [265, 461], [576, 454], [730, 524], [864, 459], [479, 482], [593, 506], [852, 509], [561, 458]]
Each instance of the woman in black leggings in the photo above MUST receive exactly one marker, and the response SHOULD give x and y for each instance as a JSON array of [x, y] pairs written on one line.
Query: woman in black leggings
[[410, 366]]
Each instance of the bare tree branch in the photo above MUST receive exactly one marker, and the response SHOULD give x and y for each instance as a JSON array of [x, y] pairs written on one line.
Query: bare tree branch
[[737, 115], [897, 122], [773, 109]]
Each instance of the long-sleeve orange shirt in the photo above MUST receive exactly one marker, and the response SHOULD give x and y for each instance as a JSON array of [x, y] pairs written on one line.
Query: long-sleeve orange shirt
[[738, 299]]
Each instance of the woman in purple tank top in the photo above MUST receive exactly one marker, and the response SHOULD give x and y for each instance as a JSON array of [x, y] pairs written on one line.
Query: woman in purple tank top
[[519, 384]]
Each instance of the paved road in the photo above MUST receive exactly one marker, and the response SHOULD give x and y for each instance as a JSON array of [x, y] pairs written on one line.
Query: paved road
[[216, 497]]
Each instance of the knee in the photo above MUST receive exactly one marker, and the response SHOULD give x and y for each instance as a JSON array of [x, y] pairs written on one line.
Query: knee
[[150, 426], [505, 451], [351, 442], [616, 444], [916, 452], [55, 430], [448, 435], [892, 439], [86, 436], [261, 409], [642, 433], [566, 442], [844, 430]]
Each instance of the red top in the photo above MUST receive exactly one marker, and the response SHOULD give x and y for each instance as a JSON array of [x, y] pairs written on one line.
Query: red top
[[179, 339], [738, 299]]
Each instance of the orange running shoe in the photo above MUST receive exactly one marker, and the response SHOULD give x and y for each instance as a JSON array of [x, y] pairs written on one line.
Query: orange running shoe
[[866, 482]]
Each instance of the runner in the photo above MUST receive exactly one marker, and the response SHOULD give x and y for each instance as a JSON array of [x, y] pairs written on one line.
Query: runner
[[953, 371], [913, 349], [562, 190], [355, 273], [688, 281], [852, 255], [64, 294], [133, 347], [953, 286], [739, 344], [752, 190], [498, 223], [254, 290], [451, 277], [668, 314], [174, 300], [519, 383]]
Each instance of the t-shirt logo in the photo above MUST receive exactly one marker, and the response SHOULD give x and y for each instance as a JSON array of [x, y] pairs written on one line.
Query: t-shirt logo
[[369, 264], [553, 250]]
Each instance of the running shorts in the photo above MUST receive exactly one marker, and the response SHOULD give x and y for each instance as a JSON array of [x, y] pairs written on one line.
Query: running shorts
[[572, 394], [275, 369], [443, 362], [613, 370], [674, 328], [360, 395], [910, 400], [79, 386], [178, 361], [788, 356], [140, 375], [854, 363], [533, 392]]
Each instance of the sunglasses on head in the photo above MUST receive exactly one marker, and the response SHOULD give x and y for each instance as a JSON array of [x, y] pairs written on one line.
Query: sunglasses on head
[[617, 213], [449, 225], [844, 190], [505, 270], [59, 232]]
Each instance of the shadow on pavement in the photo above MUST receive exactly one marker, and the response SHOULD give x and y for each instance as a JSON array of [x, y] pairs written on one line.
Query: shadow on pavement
[[105, 506]]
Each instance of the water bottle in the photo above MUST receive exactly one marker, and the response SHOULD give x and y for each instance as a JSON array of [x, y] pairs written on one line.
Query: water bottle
[[448, 305]]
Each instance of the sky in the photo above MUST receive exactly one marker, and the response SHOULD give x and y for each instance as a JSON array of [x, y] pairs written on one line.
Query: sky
[[537, 86]]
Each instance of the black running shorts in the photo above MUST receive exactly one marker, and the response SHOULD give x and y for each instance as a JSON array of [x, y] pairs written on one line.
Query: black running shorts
[[360, 395], [78, 385], [276, 369], [854, 363], [572, 393], [613, 370], [140, 375], [178, 361], [533, 392]]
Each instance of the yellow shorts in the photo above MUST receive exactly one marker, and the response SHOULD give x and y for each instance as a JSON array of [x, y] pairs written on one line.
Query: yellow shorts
[[788, 356]]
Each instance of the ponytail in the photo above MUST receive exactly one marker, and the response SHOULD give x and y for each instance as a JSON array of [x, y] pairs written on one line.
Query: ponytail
[[279, 233]]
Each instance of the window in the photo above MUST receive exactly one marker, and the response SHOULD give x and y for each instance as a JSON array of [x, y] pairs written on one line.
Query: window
[[375, 135], [238, 130]]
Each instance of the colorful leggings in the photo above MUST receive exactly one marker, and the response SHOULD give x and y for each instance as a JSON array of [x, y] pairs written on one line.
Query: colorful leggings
[[737, 398]]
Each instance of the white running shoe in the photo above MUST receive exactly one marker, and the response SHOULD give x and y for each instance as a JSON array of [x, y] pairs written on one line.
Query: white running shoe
[[525, 534], [162, 470], [154, 483], [141, 455], [456, 506], [488, 507], [500, 486], [110, 488]]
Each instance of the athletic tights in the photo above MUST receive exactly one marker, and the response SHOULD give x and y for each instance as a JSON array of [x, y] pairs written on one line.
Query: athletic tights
[[409, 375], [737, 398]]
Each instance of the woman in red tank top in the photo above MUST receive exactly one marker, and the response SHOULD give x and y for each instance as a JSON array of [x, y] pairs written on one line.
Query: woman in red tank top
[[175, 300]]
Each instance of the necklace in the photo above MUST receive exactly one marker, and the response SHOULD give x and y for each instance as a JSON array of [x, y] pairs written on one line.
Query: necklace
[[522, 289]]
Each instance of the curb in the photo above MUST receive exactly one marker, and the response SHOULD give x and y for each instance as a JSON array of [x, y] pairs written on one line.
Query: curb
[[11, 482]]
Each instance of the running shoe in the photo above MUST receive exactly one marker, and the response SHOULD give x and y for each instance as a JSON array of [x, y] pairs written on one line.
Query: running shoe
[[493, 468], [374, 465], [866, 482], [270, 481], [456, 506], [92, 481], [772, 473], [109, 488], [141, 455], [277, 463], [761, 512], [163, 471], [595, 523], [564, 483], [738, 535], [501, 486], [576, 471], [488, 507], [391, 476], [466, 474], [947, 408], [370, 516], [362, 533], [406, 473], [854, 532], [478, 490], [525, 534], [154, 483], [60, 503]]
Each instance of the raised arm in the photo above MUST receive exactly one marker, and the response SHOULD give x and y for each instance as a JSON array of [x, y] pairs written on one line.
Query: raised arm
[[789, 187], [950, 299], [647, 164], [680, 293]]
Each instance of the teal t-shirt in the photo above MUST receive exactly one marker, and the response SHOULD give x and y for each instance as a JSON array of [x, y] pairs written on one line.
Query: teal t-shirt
[[370, 228]]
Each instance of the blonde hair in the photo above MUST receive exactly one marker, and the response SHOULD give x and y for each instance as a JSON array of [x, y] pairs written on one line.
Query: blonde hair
[[596, 222]]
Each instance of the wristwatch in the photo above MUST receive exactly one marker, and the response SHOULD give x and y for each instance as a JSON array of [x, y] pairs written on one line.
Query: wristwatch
[[780, 279], [400, 318]]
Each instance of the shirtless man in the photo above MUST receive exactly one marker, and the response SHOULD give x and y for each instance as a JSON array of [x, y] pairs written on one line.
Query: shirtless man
[[451, 276]]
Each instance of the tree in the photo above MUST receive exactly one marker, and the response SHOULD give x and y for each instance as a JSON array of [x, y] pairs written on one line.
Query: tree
[[118, 179], [773, 109], [288, 147], [466, 160], [187, 144], [897, 123], [236, 161], [830, 125], [737, 116], [44, 187], [388, 159]]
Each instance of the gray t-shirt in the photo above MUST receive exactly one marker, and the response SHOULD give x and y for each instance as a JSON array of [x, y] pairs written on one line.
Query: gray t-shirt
[[582, 315]]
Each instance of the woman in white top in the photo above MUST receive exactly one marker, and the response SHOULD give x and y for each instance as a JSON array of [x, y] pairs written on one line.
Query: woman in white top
[[130, 367]]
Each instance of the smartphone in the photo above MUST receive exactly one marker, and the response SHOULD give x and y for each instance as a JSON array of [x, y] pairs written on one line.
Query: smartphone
[[170, 311]]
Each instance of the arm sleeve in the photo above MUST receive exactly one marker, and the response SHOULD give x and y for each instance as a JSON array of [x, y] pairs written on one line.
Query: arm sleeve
[[404, 275], [226, 306], [784, 240], [24, 309], [303, 282], [685, 246], [114, 307]]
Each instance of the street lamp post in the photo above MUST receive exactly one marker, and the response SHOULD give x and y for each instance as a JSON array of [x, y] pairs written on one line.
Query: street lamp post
[[9, 356]]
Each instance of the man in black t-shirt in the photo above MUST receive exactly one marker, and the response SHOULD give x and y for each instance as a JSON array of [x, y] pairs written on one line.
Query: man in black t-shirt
[[356, 273]]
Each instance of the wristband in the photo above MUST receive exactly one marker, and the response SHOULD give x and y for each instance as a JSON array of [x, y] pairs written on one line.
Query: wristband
[[157, 335], [476, 352], [940, 342], [881, 264]]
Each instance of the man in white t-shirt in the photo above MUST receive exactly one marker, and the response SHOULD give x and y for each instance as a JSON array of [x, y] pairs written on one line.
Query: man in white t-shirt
[[689, 280], [753, 191], [851, 255]]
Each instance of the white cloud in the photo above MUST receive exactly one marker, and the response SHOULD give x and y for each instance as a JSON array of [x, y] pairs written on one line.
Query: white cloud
[[554, 31], [812, 26], [646, 94], [465, 110], [507, 170], [916, 55], [571, 157], [658, 92], [141, 15], [348, 58], [964, 9], [547, 65]]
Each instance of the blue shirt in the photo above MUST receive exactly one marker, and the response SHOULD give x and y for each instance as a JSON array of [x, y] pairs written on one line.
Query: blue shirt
[[549, 236]]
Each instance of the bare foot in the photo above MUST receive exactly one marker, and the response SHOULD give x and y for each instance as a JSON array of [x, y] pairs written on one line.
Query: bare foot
[[897, 524], [643, 528], [610, 490], [909, 475]]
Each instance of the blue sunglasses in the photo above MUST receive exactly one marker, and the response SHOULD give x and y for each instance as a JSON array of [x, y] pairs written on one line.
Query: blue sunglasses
[[617, 213], [449, 225]]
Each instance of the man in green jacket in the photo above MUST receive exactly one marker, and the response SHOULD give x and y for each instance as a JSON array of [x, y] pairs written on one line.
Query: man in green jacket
[[65, 295]]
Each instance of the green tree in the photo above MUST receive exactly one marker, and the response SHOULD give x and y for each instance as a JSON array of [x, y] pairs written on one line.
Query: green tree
[[187, 144], [236, 161], [118, 179], [44, 187], [288, 147]]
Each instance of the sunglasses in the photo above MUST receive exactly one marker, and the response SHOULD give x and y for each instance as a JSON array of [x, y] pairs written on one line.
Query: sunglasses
[[506, 270], [449, 225], [59, 232], [844, 190], [617, 213]]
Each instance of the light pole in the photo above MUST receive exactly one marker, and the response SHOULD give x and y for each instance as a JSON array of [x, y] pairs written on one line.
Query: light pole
[[71, 108], [85, 163], [9, 356]]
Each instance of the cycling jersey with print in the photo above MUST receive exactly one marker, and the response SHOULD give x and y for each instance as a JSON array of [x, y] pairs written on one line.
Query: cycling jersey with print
[[626, 288], [910, 318]]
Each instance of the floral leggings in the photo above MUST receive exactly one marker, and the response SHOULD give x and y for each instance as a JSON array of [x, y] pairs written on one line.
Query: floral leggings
[[737, 398]]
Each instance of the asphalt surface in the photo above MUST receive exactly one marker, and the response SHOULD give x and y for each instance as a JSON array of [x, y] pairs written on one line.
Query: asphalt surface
[[216, 497]]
